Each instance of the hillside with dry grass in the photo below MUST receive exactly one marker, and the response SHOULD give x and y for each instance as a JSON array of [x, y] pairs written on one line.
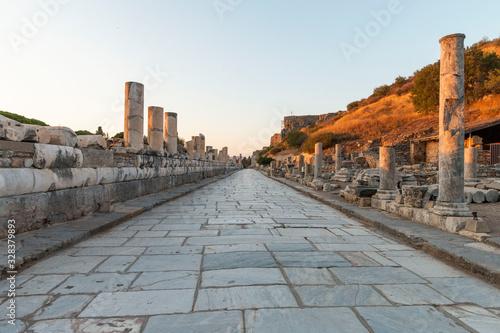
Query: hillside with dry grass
[[390, 117]]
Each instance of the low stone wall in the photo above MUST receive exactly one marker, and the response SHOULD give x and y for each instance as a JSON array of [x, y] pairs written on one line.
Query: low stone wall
[[59, 183]]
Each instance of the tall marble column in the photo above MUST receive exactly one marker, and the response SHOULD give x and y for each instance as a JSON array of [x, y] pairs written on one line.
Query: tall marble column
[[155, 128], [470, 170], [318, 159], [450, 203], [170, 134], [388, 189], [338, 157], [133, 133]]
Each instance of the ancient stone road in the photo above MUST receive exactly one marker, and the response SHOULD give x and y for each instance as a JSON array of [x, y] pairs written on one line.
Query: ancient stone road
[[247, 254]]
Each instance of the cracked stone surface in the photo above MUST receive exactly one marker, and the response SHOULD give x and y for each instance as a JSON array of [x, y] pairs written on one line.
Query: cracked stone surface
[[247, 254]]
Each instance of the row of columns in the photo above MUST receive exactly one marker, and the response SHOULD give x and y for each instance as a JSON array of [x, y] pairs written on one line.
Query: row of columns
[[158, 129], [456, 164]]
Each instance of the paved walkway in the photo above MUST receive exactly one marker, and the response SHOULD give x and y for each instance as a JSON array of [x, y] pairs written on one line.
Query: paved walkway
[[247, 254]]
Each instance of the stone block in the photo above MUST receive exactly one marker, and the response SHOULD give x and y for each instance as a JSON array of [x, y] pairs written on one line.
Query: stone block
[[406, 212], [478, 226], [15, 131], [379, 203], [456, 223], [364, 201], [393, 207], [421, 215], [53, 156], [60, 135], [107, 206], [91, 141], [352, 198], [413, 196], [22, 147], [96, 158]]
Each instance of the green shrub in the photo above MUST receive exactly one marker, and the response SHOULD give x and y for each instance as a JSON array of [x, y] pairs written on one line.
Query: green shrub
[[480, 80], [84, 132], [381, 91], [328, 140], [276, 149], [425, 91], [181, 141], [264, 160], [295, 138], [118, 135], [399, 82], [22, 119], [352, 105]]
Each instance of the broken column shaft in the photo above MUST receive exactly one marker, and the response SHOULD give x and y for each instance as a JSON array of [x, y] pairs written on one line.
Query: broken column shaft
[[170, 134], [155, 128], [318, 156], [133, 133]]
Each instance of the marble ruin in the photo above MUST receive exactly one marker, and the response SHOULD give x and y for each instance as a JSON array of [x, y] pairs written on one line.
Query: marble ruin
[[429, 194], [170, 133], [48, 174], [134, 115]]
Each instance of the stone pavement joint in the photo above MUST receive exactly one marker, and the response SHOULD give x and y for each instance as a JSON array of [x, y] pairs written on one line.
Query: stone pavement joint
[[247, 254], [36, 244], [476, 257]]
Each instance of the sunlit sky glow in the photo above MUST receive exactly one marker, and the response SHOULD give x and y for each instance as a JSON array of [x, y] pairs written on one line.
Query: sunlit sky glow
[[230, 68]]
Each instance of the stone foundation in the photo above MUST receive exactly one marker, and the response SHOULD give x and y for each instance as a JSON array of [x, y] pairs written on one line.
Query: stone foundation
[[42, 195]]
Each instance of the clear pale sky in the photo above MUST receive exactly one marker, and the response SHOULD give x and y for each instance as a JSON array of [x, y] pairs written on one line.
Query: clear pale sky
[[231, 69]]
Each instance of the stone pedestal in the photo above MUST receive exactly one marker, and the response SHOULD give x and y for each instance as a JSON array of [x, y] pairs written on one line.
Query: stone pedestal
[[338, 157], [450, 208], [133, 133], [155, 128], [318, 159], [170, 134], [470, 170], [388, 189]]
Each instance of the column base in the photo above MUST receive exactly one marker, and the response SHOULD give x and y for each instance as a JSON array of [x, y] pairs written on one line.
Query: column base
[[451, 217], [451, 209], [379, 203], [386, 194]]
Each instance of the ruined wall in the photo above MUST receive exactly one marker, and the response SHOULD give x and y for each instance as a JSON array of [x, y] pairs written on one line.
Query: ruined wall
[[432, 152], [42, 184]]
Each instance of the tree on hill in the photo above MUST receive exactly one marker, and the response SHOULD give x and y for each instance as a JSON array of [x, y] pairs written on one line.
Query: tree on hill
[[23, 119], [482, 77], [295, 138], [264, 160], [118, 135]]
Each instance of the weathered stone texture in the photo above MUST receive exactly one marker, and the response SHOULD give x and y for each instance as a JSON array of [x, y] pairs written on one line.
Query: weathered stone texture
[[155, 128], [134, 115]]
